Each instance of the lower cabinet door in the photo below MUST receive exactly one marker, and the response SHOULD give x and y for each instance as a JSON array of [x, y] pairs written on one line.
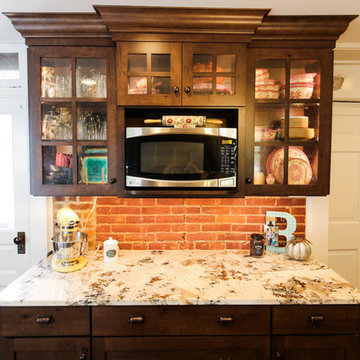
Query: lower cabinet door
[[180, 348], [64, 348], [316, 347]]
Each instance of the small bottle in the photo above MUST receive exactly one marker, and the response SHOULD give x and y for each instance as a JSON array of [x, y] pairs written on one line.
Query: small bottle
[[257, 245], [110, 250]]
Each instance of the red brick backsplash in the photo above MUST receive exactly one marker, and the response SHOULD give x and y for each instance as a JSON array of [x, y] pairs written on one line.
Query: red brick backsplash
[[175, 224]]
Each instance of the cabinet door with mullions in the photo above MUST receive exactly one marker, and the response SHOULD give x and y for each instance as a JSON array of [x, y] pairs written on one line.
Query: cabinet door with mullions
[[72, 120], [289, 117], [214, 74], [149, 73]]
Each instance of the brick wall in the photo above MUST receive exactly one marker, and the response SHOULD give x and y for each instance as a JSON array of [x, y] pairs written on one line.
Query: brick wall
[[173, 224]]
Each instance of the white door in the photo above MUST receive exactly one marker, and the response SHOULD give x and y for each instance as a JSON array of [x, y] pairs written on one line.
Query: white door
[[344, 200], [14, 187]]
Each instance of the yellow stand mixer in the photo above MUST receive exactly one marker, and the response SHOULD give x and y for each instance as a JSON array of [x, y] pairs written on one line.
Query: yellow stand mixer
[[70, 245]]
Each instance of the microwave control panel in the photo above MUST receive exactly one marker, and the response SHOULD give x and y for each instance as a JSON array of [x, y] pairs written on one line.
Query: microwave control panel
[[228, 157]]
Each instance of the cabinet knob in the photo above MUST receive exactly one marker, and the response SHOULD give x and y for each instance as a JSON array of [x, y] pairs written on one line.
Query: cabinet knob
[[44, 320], [187, 89], [176, 89], [112, 181], [248, 180], [279, 355], [136, 319]]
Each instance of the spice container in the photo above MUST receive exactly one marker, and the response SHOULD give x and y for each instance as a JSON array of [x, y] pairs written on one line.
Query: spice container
[[257, 245], [110, 250]]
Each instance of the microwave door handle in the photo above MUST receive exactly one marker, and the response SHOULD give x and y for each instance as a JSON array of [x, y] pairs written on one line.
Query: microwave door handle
[[132, 132]]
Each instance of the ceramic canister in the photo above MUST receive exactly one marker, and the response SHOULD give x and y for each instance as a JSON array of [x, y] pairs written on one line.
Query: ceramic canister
[[110, 250]]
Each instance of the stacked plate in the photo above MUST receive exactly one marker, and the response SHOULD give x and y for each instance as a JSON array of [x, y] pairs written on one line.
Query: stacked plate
[[299, 167], [298, 128]]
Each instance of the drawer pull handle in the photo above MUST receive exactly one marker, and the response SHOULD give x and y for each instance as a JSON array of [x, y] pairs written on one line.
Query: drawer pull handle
[[44, 320], [316, 318], [136, 319], [223, 320], [279, 355]]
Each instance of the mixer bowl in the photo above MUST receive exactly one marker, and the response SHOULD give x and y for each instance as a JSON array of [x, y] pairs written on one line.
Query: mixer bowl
[[67, 247]]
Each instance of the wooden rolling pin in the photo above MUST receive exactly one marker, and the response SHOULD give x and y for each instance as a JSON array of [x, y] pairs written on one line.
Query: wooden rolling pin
[[159, 121]]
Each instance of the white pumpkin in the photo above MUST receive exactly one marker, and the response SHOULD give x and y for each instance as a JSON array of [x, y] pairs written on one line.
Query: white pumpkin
[[298, 249]]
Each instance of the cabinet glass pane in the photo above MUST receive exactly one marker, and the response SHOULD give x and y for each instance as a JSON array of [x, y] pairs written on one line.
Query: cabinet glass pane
[[56, 122], [91, 121], [55, 77], [202, 63], [303, 122], [57, 164], [268, 167], [91, 78], [225, 63], [225, 85], [202, 85], [268, 119], [9, 66], [137, 62], [137, 85], [305, 79], [160, 62], [269, 76], [93, 165], [303, 164], [160, 85]]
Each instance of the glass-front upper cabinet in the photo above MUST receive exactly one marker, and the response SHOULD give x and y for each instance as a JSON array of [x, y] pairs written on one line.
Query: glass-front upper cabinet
[[214, 74], [149, 73], [72, 111], [181, 74], [289, 142]]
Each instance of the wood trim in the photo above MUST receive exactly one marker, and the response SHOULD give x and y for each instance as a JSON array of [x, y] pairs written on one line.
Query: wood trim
[[309, 27], [155, 20], [49, 28]]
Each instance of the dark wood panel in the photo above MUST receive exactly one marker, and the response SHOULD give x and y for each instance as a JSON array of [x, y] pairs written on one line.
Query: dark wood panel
[[179, 348], [316, 348], [180, 320], [316, 319], [45, 349], [63, 321]]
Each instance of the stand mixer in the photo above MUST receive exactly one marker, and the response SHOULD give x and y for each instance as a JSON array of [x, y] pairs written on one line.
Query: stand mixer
[[70, 244]]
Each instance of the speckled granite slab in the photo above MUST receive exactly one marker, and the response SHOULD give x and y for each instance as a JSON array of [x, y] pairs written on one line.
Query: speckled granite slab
[[182, 278]]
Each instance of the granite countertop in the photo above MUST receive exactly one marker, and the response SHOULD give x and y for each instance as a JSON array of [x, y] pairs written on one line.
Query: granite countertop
[[182, 278]]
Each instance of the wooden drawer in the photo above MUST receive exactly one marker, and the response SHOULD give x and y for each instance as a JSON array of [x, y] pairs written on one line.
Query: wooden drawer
[[44, 321], [316, 319], [180, 320]]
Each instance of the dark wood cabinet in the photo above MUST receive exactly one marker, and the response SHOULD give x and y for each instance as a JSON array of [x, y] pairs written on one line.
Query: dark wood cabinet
[[179, 348], [72, 112], [255, 332], [63, 348], [191, 74], [344, 347], [278, 68], [289, 121]]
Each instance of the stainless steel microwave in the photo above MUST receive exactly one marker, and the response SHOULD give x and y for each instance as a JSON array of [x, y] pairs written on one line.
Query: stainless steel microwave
[[181, 157]]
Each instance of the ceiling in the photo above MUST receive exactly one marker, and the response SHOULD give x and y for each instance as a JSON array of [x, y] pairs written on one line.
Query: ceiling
[[351, 38]]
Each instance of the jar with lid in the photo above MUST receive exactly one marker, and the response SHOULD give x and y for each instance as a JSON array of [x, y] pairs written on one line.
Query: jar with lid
[[257, 245]]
